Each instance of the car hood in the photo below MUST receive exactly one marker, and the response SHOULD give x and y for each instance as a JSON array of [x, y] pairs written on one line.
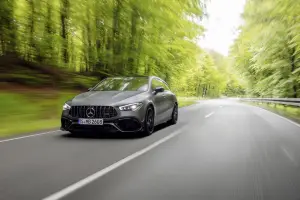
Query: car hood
[[105, 98]]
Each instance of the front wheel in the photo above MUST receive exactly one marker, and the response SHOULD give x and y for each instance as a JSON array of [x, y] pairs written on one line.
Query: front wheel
[[174, 116], [149, 122]]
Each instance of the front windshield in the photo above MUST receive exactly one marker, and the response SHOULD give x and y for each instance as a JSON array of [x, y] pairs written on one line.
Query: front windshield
[[123, 84]]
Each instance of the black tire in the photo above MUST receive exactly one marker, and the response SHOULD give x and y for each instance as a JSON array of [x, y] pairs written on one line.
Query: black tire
[[149, 122], [174, 116]]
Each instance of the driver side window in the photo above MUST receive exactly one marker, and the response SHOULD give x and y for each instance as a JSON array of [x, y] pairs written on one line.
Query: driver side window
[[166, 87], [156, 83]]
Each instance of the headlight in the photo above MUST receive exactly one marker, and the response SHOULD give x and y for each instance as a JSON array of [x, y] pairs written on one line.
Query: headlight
[[66, 107], [131, 107]]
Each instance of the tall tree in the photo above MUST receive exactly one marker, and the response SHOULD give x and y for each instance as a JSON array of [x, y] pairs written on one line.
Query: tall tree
[[267, 51], [115, 37], [64, 17], [7, 26]]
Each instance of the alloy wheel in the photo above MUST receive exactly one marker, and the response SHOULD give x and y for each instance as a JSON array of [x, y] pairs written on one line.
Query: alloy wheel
[[150, 120], [175, 113]]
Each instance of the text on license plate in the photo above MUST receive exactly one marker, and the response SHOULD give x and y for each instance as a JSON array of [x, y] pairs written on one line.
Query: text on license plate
[[90, 121]]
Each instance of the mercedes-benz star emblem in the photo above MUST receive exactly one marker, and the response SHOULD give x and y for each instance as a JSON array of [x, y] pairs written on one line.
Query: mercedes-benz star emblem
[[90, 112]]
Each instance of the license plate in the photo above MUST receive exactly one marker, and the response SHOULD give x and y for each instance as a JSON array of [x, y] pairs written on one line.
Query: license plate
[[90, 121]]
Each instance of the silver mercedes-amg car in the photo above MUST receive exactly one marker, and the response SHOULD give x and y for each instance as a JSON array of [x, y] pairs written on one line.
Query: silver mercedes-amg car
[[121, 104]]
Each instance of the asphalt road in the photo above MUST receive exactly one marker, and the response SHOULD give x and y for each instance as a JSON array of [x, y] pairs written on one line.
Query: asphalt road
[[218, 150]]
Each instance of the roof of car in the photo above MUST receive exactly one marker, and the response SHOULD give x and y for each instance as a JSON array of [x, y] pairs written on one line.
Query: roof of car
[[128, 77], [142, 76], [137, 76]]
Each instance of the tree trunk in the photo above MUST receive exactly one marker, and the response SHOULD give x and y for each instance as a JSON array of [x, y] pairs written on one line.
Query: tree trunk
[[7, 27], [80, 65], [204, 90], [295, 95], [86, 63], [49, 32], [293, 67], [64, 29], [139, 50], [2, 43], [89, 46], [31, 30], [109, 53], [132, 51], [198, 89], [116, 34], [72, 54]]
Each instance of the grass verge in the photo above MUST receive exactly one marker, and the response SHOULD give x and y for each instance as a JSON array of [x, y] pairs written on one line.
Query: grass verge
[[290, 112], [28, 111], [186, 101]]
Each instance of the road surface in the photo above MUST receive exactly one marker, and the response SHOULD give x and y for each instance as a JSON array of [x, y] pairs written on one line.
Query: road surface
[[219, 150]]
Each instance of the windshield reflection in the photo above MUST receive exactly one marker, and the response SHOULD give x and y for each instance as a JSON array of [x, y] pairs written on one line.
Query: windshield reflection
[[123, 84]]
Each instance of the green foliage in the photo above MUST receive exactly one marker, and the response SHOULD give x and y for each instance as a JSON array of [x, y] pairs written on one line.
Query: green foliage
[[186, 103], [31, 110], [267, 51], [118, 37], [226, 81]]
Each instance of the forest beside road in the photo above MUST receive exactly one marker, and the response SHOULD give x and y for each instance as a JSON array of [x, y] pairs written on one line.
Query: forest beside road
[[51, 50]]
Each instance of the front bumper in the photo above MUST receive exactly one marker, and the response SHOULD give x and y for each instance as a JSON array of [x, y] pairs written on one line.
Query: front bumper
[[117, 124]]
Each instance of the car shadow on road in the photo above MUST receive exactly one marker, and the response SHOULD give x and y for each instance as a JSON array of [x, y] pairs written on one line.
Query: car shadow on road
[[115, 135], [101, 135]]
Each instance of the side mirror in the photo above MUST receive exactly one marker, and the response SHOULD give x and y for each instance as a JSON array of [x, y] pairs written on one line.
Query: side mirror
[[159, 89]]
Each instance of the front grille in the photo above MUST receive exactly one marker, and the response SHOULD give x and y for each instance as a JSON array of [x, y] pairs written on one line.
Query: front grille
[[104, 112]]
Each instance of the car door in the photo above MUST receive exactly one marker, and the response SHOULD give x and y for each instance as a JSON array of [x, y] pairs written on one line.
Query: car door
[[168, 101], [158, 101]]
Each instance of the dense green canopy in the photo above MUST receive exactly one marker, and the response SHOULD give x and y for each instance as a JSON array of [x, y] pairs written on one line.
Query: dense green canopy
[[123, 37], [267, 51]]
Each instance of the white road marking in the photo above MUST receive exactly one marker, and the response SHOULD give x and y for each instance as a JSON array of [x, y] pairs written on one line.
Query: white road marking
[[286, 119], [210, 114], [28, 136], [72, 188], [279, 116], [288, 154]]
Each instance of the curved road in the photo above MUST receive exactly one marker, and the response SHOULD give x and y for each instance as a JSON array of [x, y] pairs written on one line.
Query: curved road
[[219, 150]]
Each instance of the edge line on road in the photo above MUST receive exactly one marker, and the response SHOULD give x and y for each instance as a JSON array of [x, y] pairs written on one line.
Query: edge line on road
[[28, 136], [287, 153], [72, 188], [295, 123], [210, 114]]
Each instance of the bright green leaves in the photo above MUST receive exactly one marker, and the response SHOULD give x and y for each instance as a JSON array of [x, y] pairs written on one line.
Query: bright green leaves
[[267, 50], [116, 37]]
